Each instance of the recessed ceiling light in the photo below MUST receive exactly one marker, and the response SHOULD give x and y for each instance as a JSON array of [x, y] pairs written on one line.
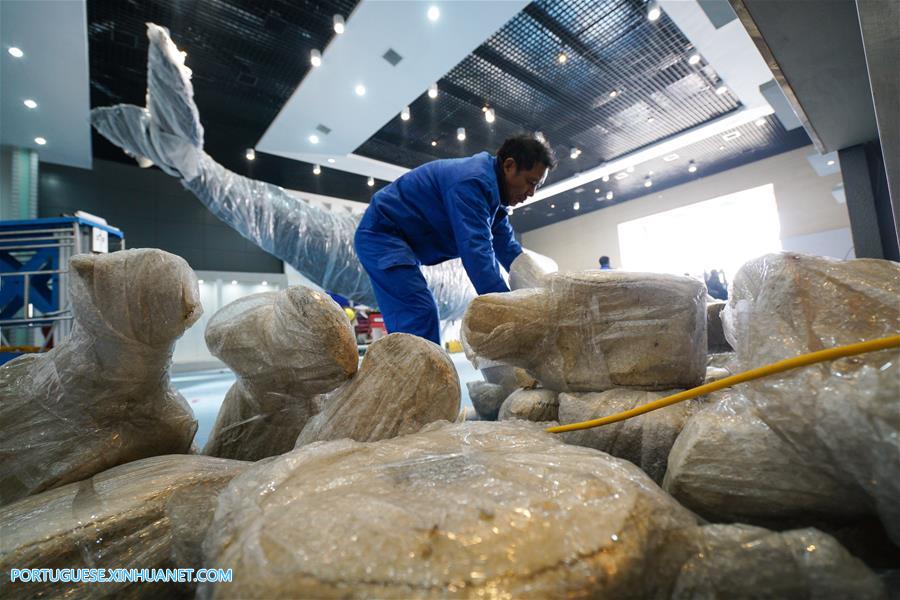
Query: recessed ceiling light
[[15, 52], [313, 139], [721, 90], [562, 58], [233, 282], [648, 182], [404, 114], [606, 178], [40, 141], [670, 157], [694, 59], [331, 160], [621, 175], [650, 119], [759, 122], [317, 170], [552, 206], [576, 206], [596, 190], [432, 90], [200, 281], [489, 115], [692, 167], [654, 13], [609, 195], [265, 283], [339, 24], [574, 153], [370, 181], [461, 134], [360, 89], [721, 147], [315, 58], [830, 163], [434, 13], [434, 142], [30, 103], [614, 93], [250, 154], [731, 135]]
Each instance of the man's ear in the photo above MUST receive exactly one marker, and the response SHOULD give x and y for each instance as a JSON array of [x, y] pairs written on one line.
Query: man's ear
[[509, 165]]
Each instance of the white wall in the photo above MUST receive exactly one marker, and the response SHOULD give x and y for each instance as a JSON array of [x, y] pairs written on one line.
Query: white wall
[[806, 209]]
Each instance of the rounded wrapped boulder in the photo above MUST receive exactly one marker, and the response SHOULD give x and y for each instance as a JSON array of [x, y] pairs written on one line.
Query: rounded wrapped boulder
[[595, 330], [404, 383], [285, 348], [102, 397], [480, 509]]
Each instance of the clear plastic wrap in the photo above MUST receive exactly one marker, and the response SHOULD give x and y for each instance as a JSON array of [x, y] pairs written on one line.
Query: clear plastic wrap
[[644, 440], [475, 510], [738, 561], [487, 398], [102, 397], [530, 270], [499, 382], [843, 417], [715, 334], [285, 348], [510, 378], [404, 383], [316, 242], [595, 330], [151, 513], [728, 465], [536, 405]]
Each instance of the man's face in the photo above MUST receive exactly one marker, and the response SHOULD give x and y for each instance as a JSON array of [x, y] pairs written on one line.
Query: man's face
[[521, 184]]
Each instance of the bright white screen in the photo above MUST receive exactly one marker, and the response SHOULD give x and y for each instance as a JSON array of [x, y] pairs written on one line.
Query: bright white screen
[[722, 233]]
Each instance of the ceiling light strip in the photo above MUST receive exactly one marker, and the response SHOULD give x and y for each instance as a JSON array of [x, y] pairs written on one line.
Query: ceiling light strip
[[674, 144]]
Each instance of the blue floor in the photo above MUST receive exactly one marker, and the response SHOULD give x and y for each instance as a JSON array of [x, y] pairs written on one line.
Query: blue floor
[[205, 391]]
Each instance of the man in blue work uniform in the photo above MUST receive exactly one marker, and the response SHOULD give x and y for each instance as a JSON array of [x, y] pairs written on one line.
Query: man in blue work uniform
[[442, 210]]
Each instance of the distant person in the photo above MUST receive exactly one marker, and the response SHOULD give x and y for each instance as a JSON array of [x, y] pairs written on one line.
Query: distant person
[[604, 264], [716, 286]]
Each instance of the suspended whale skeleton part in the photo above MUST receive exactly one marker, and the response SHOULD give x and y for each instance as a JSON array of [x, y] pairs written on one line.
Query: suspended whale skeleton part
[[316, 242]]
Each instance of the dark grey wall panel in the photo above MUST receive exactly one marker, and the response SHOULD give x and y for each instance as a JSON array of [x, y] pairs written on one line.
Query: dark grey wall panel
[[719, 12], [868, 202], [815, 51], [881, 36], [154, 211]]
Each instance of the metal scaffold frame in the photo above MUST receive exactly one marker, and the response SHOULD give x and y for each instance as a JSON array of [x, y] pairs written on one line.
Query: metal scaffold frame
[[35, 313]]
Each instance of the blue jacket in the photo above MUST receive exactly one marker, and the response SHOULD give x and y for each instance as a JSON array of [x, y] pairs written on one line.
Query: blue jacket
[[447, 209]]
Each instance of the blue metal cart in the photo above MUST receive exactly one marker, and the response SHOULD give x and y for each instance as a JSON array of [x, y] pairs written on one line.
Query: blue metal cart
[[34, 285]]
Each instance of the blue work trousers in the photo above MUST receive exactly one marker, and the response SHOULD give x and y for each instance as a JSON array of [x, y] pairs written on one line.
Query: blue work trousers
[[400, 288]]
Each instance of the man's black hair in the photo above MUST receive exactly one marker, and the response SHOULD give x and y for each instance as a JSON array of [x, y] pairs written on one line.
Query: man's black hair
[[604, 261], [527, 150]]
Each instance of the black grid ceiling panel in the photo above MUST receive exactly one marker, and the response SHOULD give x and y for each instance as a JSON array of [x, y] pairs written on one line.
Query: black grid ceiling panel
[[610, 46], [488, 82], [409, 143], [711, 156]]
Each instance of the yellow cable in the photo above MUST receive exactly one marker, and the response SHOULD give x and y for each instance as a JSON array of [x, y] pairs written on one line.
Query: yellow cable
[[783, 365]]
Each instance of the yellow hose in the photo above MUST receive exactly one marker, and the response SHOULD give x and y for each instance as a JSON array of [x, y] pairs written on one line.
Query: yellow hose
[[779, 367]]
